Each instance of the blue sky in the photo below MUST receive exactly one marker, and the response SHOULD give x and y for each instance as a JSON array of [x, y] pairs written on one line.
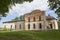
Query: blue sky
[[26, 7]]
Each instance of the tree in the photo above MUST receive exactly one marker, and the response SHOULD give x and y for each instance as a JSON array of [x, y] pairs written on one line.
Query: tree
[[15, 19], [5, 4], [19, 18], [55, 4]]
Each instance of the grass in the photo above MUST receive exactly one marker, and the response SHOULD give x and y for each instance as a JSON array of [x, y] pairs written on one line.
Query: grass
[[30, 35]]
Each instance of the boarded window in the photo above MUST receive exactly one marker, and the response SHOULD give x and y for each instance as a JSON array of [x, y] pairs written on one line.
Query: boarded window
[[4, 26], [20, 26], [42, 18]]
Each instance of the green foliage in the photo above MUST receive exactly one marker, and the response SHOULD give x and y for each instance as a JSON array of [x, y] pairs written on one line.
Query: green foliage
[[58, 14], [30, 35], [59, 24], [15, 18], [55, 4], [5, 4], [19, 18]]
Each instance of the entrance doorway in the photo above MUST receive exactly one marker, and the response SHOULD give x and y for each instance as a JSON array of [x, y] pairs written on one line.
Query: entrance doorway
[[50, 26]]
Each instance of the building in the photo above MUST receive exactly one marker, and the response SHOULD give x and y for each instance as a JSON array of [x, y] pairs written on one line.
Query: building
[[36, 20], [14, 25]]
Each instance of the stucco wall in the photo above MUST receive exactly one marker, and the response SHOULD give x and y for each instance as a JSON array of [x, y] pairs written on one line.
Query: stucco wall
[[8, 25], [18, 25], [53, 22], [31, 25]]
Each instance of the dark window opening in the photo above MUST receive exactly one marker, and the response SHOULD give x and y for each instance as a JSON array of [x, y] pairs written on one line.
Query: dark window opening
[[28, 19], [28, 26], [50, 26], [40, 25], [11, 26], [33, 18], [34, 26], [15, 27], [20, 26], [39, 18]]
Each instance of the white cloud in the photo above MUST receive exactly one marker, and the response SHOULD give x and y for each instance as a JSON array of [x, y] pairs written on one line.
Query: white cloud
[[27, 7]]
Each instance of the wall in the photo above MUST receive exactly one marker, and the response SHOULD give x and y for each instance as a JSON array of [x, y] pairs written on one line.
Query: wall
[[18, 25], [8, 25], [53, 22], [36, 14]]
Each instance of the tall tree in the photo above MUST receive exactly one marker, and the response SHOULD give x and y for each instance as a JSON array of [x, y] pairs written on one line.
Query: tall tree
[[19, 18], [5, 4], [15, 19], [55, 5]]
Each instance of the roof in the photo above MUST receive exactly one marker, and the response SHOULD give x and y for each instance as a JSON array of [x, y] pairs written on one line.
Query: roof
[[35, 11], [49, 17], [13, 21]]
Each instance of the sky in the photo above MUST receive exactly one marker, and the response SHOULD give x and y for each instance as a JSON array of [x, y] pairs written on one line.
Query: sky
[[26, 7]]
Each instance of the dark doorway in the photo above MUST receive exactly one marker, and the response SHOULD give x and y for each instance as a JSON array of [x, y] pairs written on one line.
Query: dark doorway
[[51, 26], [40, 26], [28, 19], [11, 28], [15, 27], [34, 26], [28, 26], [20, 26]]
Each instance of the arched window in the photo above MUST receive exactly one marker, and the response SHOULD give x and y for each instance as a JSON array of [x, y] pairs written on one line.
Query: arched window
[[28, 26], [11, 27], [4, 26], [28, 19], [51, 26], [20, 26], [33, 18], [34, 26], [40, 25], [39, 18], [15, 27]]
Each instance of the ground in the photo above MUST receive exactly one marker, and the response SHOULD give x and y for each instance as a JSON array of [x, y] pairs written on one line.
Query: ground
[[30, 35]]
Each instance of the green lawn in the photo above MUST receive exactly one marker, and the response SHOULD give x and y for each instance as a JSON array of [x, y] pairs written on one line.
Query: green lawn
[[30, 35]]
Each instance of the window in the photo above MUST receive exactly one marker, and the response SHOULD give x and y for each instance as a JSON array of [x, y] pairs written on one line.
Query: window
[[11, 26], [34, 26], [51, 26], [33, 18], [40, 25], [4, 26], [28, 19], [20, 26], [15, 27], [39, 18], [28, 26], [42, 18]]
